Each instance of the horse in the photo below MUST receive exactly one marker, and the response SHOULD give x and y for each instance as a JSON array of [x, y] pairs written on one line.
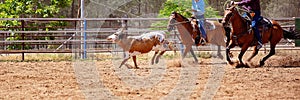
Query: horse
[[188, 32], [242, 37]]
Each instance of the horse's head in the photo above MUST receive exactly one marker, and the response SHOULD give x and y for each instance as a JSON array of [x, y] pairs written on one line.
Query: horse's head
[[228, 15], [116, 36], [175, 19], [194, 21], [172, 20]]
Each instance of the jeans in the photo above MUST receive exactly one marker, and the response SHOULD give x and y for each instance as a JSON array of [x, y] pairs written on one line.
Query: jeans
[[200, 19], [255, 25]]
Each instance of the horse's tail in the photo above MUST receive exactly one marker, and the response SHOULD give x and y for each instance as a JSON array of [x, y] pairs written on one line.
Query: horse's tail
[[287, 34], [290, 35]]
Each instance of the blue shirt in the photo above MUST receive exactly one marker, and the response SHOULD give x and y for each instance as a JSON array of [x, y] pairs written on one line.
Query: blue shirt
[[199, 7]]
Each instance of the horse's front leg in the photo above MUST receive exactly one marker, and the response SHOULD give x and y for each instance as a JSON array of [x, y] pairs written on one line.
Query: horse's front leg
[[219, 54], [254, 53], [228, 54], [186, 50], [244, 49], [193, 54]]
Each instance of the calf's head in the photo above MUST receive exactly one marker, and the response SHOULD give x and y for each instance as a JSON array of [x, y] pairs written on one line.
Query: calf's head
[[116, 36]]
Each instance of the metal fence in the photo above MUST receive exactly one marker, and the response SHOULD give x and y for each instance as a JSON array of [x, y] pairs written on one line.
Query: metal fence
[[76, 38]]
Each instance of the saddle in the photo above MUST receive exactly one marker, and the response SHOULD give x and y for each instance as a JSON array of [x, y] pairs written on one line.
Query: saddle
[[209, 25], [198, 36], [263, 23]]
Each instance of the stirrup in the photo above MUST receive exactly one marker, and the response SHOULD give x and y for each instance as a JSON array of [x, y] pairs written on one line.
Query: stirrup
[[202, 41], [259, 45]]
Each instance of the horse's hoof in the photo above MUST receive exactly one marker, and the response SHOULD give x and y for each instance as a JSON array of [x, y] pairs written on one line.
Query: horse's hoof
[[230, 62], [242, 65], [246, 65], [261, 63]]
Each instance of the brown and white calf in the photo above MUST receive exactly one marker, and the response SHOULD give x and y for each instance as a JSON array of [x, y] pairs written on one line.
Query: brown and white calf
[[136, 45]]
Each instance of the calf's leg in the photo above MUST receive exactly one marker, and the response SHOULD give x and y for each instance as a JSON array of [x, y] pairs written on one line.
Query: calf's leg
[[123, 62], [152, 60], [134, 61], [160, 54]]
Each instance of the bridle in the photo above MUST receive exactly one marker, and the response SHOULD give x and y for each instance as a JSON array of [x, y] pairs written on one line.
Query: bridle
[[227, 24], [177, 23]]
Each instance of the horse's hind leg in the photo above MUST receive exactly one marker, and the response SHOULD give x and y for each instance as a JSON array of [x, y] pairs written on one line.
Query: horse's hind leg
[[255, 52], [158, 57], [219, 52], [271, 53]]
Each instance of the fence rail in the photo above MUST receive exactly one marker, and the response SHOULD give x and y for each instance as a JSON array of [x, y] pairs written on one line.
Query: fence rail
[[70, 38]]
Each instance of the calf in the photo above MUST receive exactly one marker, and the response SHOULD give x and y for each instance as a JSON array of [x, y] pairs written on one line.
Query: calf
[[136, 45]]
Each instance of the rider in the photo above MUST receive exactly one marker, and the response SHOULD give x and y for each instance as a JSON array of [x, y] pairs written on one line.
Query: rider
[[198, 9], [254, 6]]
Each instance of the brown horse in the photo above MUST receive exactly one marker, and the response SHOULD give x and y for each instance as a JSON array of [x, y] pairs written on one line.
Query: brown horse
[[242, 37], [188, 32]]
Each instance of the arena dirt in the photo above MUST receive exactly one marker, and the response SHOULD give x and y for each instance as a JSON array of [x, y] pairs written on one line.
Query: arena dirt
[[278, 79]]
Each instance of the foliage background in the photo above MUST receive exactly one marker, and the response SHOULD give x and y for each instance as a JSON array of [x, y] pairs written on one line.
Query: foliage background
[[30, 9]]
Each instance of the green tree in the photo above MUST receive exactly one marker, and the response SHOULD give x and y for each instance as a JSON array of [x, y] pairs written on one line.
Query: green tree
[[183, 7], [30, 9]]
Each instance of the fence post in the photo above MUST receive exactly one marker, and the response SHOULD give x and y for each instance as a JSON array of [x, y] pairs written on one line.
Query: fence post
[[23, 38], [83, 33], [125, 27], [297, 28]]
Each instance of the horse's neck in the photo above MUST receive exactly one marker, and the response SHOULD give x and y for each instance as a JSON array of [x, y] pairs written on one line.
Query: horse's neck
[[238, 24], [186, 26]]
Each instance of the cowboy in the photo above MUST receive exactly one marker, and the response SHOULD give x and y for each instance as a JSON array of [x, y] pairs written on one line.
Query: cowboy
[[253, 6], [198, 9]]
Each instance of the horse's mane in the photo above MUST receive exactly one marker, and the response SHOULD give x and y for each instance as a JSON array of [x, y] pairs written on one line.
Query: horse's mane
[[184, 18]]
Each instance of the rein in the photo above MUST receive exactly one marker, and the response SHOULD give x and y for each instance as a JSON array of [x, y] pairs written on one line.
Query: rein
[[180, 23]]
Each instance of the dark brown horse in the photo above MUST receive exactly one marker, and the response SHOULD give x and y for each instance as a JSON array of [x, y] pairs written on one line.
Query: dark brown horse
[[242, 37], [188, 32]]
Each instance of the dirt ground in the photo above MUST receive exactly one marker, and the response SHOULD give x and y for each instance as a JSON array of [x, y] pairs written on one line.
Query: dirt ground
[[170, 79]]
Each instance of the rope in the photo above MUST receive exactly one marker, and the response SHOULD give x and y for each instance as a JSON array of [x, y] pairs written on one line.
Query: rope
[[225, 4], [238, 7]]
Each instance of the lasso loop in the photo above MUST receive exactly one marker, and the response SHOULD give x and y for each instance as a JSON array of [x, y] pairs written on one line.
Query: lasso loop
[[225, 4], [237, 7]]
